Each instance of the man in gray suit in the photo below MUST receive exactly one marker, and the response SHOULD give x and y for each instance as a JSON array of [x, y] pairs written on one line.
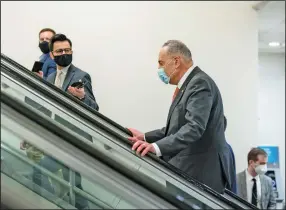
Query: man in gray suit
[[64, 77], [193, 139], [253, 185], [67, 73]]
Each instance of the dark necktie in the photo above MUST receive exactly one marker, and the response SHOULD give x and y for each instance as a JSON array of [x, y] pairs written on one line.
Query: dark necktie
[[254, 193], [175, 93]]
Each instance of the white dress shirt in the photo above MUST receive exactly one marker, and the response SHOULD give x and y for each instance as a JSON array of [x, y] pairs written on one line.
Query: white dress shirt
[[249, 186], [61, 75], [180, 83]]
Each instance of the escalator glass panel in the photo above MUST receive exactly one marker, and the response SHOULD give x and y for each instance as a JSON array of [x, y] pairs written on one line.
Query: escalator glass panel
[[37, 166]]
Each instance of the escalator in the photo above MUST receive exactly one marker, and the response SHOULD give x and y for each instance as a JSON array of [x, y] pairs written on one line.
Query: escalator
[[87, 144]]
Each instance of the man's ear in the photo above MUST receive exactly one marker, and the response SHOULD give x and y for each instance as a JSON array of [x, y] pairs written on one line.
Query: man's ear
[[251, 162], [51, 55], [177, 61]]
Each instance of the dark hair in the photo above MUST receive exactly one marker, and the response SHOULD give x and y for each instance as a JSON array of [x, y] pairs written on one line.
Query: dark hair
[[254, 152], [225, 122], [47, 29], [58, 37]]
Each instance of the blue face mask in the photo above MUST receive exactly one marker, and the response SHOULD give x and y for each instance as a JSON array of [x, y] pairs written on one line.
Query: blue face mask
[[163, 76]]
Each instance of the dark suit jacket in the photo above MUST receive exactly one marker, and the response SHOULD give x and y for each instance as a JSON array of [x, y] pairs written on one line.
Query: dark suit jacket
[[233, 188], [74, 74], [193, 139], [49, 65]]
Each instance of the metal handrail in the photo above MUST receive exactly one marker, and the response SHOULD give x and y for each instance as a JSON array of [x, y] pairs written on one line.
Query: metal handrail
[[53, 176]]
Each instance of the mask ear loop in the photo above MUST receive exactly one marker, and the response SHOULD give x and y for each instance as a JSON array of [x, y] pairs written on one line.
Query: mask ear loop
[[172, 72]]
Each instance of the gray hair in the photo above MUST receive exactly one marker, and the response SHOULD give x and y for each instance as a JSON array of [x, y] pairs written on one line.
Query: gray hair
[[178, 47]]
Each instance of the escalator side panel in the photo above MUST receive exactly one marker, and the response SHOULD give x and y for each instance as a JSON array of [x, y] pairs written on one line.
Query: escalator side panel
[[92, 170], [130, 161]]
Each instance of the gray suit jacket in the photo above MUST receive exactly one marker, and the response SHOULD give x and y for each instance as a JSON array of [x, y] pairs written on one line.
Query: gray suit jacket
[[193, 139], [268, 200], [74, 74]]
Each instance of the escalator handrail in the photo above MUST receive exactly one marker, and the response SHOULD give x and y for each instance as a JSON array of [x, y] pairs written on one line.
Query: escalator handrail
[[89, 118], [240, 199], [69, 137], [30, 73]]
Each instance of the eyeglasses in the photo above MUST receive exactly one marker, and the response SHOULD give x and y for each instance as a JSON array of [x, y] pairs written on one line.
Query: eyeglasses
[[66, 50]]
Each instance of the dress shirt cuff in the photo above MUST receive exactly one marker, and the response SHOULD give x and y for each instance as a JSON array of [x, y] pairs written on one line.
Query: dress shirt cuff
[[157, 149]]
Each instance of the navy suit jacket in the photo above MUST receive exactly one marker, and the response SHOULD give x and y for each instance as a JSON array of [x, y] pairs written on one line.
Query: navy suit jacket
[[233, 186], [49, 65], [74, 74]]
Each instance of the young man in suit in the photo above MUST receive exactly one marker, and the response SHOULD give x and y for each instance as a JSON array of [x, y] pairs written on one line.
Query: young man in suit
[[49, 65], [193, 139], [253, 185], [67, 73]]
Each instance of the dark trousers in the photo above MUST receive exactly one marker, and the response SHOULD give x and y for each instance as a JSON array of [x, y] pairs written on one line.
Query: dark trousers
[[53, 166]]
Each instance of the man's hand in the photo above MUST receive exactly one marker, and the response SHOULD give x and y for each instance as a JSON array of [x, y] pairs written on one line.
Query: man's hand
[[40, 74], [137, 135], [23, 145], [77, 92], [143, 145]]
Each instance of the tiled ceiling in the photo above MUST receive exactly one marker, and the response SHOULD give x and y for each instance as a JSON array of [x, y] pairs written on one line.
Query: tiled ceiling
[[271, 15]]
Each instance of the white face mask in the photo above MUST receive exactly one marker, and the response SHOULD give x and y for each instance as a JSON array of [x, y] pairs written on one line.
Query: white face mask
[[261, 169]]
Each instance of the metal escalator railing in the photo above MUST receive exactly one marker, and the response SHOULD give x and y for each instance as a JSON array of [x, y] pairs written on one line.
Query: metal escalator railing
[[192, 196], [23, 74], [56, 142]]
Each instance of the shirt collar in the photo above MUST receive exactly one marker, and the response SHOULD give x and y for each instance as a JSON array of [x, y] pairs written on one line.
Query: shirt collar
[[64, 70], [185, 76]]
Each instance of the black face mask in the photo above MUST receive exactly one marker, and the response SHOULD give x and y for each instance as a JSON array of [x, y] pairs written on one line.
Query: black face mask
[[63, 60], [44, 46]]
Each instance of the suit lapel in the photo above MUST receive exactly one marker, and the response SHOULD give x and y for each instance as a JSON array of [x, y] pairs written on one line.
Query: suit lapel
[[69, 76], [180, 94], [243, 187]]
